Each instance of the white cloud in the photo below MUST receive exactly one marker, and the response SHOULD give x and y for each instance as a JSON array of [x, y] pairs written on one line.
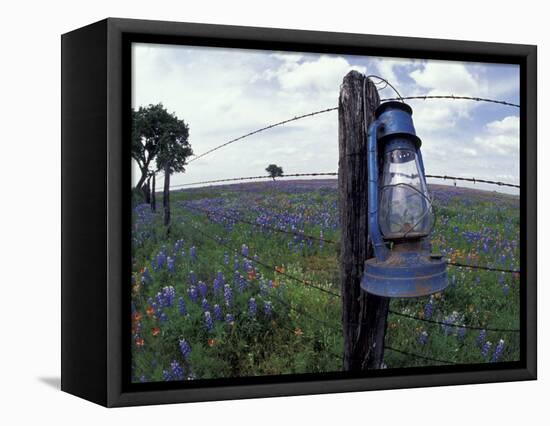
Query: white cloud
[[501, 136]]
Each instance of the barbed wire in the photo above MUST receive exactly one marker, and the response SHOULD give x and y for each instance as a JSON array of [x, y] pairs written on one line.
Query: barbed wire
[[283, 231], [470, 327], [254, 177], [311, 114], [270, 126], [427, 358], [270, 267], [304, 282], [474, 180], [467, 98], [485, 268], [235, 179]]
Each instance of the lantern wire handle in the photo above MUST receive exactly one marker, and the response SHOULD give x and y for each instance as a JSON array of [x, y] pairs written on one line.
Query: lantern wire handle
[[387, 84]]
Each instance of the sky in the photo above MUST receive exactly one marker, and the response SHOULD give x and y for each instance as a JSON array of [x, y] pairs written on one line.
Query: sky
[[224, 93]]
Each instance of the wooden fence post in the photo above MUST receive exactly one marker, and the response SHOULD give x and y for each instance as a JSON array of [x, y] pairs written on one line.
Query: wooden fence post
[[364, 317]]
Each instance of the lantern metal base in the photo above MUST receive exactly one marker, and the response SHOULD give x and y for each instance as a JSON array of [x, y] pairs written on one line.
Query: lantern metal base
[[405, 274]]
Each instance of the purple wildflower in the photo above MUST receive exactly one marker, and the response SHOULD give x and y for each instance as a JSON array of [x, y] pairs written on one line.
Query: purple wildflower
[[208, 322], [481, 338], [229, 319], [181, 306], [171, 264], [485, 349], [193, 253], [268, 309], [244, 250], [203, 289], [423, 338], [185, 348], [192, 278], [205, 305], [498, 351], [218, 315], [177, 371], [428, 309], [252, 307], [193, 293], [228, 295]]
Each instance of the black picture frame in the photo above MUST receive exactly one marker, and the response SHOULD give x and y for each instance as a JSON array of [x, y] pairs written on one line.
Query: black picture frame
[[96, 205]]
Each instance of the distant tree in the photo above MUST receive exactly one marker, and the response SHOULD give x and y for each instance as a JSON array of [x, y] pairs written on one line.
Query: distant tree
[[274, 171]]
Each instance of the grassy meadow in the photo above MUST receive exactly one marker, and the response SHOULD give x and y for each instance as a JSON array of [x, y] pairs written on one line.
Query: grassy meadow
[[246, 284]]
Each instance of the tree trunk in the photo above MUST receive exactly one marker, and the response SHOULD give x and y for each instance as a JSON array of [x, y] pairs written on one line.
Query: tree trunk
[[364, 317], [166, 196], [147, 190], [153, 193]]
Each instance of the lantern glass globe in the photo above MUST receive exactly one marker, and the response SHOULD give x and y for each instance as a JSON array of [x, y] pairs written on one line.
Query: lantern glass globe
[[405, 209]]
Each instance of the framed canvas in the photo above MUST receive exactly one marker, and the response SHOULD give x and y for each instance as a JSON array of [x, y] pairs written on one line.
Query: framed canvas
[[254, 212]]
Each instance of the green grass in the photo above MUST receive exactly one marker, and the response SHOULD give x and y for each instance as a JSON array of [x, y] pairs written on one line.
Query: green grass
[[303, 333]]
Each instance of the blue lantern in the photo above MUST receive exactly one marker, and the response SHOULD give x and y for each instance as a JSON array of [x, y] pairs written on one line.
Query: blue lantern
[[401, 216]]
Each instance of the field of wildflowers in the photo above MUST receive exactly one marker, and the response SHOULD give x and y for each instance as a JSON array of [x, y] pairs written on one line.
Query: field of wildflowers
[[246, 284]]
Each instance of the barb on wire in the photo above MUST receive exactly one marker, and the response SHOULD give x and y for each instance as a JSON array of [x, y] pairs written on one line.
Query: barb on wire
[[470, 327], [272, 228], [427, 358], [485, 268]]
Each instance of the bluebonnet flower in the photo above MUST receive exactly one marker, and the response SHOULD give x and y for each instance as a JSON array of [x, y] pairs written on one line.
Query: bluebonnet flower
[[252, 307], [142, 379], [171, 264], [485, 349], [177, 371], [161, 260], [166, 375], [192, 278], [193, 293], [226, 258], [168, 294], [461, 333], [268, 309], [218, 314], [229, 319], [428, 309], [181, 306], [423, 338], [506, 289], [203, 289], [498, 351], [163, 317], [146, 277], [205, 305], [219, 282], [242, 284], [481, 338], [244, 250], [208, 322], [185, 348], [193, 253], [228, 295]]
